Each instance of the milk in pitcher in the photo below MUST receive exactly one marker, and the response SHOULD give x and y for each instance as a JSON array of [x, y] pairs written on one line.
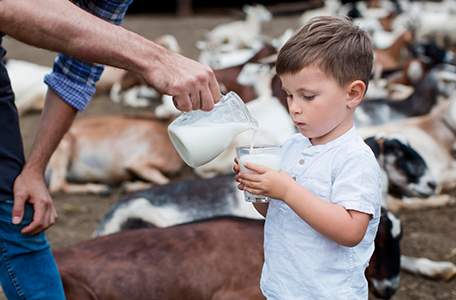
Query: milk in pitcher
[[198, 144]]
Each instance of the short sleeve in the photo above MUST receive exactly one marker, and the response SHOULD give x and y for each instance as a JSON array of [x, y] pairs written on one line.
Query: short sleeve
[[357, 184]]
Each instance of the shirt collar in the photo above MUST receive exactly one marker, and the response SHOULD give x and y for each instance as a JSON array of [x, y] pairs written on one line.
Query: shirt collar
[[340, 140]]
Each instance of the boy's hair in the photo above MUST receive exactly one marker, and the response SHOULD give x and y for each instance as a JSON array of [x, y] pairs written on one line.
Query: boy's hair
[[340, 49]]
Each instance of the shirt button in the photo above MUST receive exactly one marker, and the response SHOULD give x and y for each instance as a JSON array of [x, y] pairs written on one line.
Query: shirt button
[[301, 161]]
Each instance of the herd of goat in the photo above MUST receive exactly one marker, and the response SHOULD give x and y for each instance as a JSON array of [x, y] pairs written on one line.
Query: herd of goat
[[198, 238]]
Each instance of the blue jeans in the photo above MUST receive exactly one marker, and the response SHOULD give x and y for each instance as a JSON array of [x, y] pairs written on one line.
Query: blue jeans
[[27, 267]]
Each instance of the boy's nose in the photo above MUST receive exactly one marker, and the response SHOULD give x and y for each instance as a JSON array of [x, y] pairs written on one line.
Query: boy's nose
[[293, 108]]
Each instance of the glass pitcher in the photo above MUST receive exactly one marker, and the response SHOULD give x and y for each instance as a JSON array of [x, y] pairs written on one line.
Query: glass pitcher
[[200, 136]]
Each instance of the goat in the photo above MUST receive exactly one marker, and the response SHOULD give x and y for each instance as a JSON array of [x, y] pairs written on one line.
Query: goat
[[242, 34], [436, 24], [432, 136], [383, 272], [391, 57], [406, 173], [329, 8], [111, 150], [227, 78], [223, 252], [213, 259], [425, 96], [176, 203], [398, 85], [27, 83]]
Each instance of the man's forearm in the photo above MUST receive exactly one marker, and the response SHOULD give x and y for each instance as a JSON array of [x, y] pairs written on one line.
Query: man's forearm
[[56, 118], [61, 26]]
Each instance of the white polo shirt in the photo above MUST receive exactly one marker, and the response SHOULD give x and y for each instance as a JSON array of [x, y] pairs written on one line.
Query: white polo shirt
[[300, 263]]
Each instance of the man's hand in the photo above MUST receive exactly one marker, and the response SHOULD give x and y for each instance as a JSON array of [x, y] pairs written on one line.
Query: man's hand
[[192, 84], [30, 187]]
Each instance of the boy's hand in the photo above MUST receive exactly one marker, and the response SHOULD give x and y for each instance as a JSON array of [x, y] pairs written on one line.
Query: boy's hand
[[265, 181], [236, 170]]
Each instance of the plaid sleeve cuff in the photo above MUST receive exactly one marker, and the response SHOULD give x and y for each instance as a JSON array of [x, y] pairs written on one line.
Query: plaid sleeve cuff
[[75, 95], [74, 80]]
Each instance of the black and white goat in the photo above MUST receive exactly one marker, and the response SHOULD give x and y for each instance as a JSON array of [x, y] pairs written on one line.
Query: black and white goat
[[406, 173]]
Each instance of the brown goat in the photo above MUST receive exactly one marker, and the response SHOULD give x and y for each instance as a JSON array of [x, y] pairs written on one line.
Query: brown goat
[[217, 260], [212, 259], [104, 150], [390, 58]]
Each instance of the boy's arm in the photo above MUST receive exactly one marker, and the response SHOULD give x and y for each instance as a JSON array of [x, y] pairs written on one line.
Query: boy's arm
[[345, 227]]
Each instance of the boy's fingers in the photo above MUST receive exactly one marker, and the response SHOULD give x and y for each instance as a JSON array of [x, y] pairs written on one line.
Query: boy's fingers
[[256, 167]]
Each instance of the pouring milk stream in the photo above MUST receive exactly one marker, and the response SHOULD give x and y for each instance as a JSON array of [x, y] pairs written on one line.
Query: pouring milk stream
[[200, 136]]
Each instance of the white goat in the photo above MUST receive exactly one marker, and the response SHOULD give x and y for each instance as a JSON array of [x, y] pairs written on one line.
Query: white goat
[[329, 8], [242, 34], [27, 82]]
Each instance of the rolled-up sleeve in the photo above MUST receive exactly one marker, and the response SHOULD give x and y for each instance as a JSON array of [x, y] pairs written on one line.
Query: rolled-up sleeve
[[75, 80]]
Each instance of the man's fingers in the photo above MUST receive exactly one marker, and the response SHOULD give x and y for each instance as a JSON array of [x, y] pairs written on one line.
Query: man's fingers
[[182, 103], [215, 89], [207, 101], [18, 208], [44, 216], [196, 100]]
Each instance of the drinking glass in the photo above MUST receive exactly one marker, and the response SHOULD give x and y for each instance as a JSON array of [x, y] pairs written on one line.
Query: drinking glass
[[266, 155]]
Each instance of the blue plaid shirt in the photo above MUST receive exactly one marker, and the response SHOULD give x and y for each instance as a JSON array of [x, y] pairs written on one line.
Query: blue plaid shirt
[[75, 80]]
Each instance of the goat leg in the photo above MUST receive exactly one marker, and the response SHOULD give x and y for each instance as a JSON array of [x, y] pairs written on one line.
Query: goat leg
[[436, 270]]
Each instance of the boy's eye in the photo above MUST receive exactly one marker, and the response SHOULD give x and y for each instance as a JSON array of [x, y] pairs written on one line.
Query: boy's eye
[[308, 97], [289, 96]]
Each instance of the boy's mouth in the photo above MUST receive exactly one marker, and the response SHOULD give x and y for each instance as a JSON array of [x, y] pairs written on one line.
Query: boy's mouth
[[297, 123]]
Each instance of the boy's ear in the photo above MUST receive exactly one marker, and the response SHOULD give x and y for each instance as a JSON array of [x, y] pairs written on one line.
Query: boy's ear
[[356, 91]]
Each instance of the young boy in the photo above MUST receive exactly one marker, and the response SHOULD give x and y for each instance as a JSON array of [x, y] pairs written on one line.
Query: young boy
[[319, 233]]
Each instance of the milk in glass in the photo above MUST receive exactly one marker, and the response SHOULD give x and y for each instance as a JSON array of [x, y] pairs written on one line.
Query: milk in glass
[[262, 155]]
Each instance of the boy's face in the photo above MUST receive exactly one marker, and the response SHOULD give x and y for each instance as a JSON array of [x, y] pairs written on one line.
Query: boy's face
[[318, 105]]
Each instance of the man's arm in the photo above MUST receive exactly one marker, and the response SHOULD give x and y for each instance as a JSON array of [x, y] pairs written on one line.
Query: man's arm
[[61, 26], [30, 186]]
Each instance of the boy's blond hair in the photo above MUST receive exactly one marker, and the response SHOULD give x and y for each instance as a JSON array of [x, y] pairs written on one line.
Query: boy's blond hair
[[340, 49]]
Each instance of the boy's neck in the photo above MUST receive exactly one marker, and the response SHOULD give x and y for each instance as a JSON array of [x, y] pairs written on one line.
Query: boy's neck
[[323, 141]]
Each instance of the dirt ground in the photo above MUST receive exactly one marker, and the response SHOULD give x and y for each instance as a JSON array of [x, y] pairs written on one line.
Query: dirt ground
[[427, 233]]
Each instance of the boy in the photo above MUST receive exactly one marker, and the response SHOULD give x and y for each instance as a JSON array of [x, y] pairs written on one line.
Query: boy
[[320, 236]]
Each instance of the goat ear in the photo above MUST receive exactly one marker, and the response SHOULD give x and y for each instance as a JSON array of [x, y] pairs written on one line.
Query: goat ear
[[374, 145], [356, 91]]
